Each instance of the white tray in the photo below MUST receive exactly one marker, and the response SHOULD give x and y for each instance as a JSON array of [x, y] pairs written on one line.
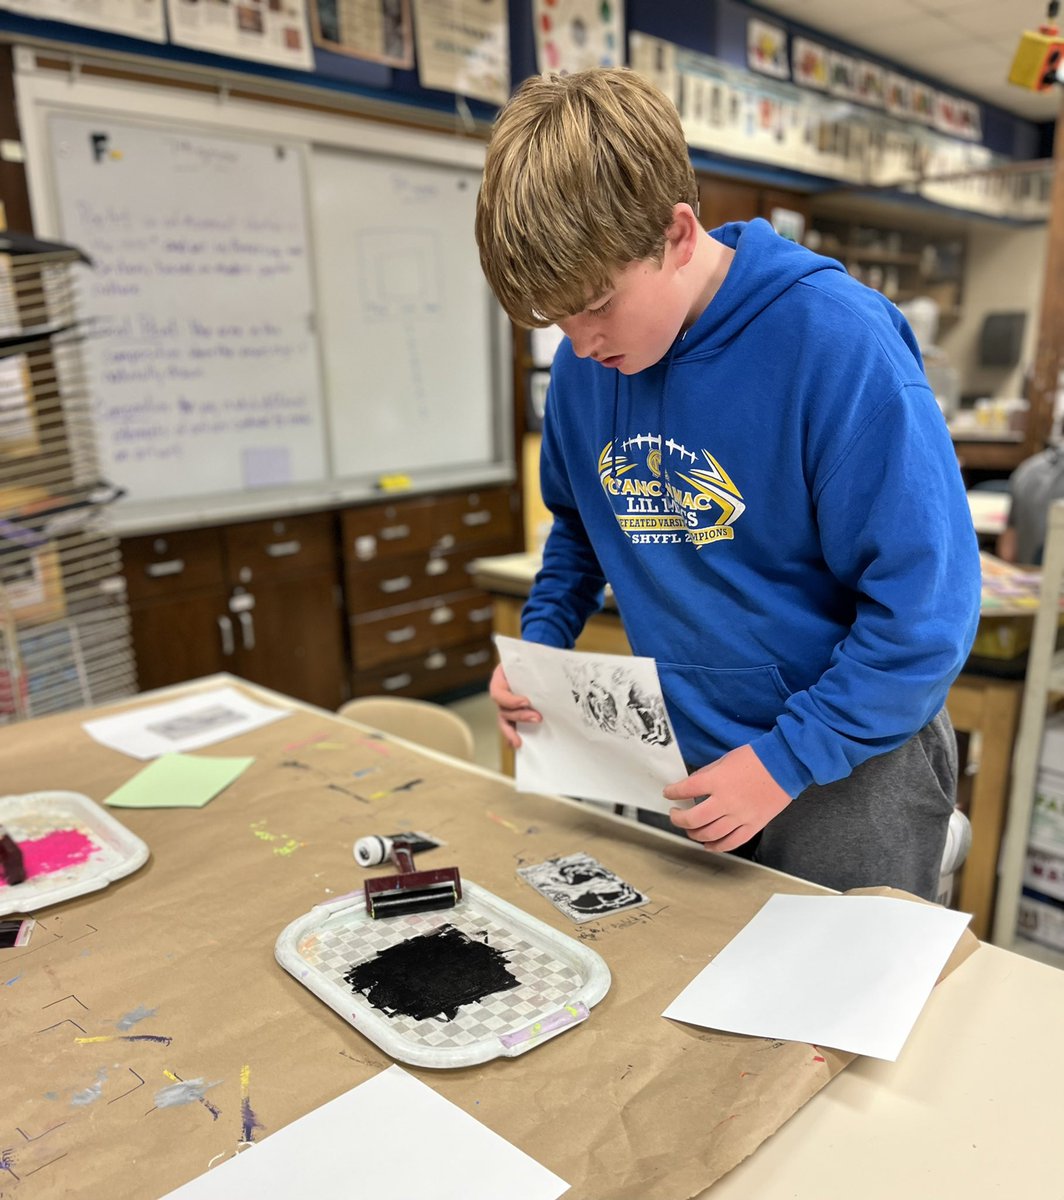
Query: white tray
[[117, 851], [559, 978]]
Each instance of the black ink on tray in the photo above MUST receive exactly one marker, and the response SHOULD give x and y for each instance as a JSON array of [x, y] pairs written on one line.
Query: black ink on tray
[[431, 975]]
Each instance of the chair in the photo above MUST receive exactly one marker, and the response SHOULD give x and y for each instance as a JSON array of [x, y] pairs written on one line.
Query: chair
[[958, 843], [421, 721]]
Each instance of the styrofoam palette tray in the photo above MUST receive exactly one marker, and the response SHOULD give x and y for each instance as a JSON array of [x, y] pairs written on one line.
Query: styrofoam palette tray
[[559, 978], [117, 852]]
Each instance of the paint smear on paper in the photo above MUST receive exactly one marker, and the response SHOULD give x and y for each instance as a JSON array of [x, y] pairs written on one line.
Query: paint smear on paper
[[308, 741], [131, 1037], [7, 1160], [131, 1018], [56, 851], [248, 1121], [288, 845], [431, 975], [90, 1094], [185, 1091]]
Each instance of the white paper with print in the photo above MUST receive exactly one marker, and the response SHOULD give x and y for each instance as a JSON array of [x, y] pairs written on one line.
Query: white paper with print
[[605, 733], [187, 724]]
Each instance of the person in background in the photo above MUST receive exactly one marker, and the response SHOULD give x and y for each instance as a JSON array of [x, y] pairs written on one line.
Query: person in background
[[741, 439], [1033, 486]]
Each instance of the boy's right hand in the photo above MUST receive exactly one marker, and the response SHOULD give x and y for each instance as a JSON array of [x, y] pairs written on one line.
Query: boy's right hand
[[512, 708]]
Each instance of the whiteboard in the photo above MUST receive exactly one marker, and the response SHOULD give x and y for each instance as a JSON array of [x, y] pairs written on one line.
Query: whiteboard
[[204, 372], [405, 316], [365, 342]]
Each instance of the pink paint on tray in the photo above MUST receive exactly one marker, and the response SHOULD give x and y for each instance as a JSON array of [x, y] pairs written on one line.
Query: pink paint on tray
[[55, 851]]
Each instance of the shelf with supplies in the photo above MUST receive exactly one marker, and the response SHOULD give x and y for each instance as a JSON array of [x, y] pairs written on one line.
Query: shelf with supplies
[[900, 263]]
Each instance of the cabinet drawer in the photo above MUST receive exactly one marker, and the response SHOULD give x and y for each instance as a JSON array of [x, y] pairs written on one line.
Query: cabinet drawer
[[388, 582], [430, 674], [473, 517], [162, 564], [387, 530], [283, 546], [414, 629]]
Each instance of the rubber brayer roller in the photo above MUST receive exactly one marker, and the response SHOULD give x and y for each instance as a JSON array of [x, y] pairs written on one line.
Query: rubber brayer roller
[[408, 891]]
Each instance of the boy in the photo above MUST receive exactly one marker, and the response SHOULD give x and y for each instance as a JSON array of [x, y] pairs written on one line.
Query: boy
[[740, 438]]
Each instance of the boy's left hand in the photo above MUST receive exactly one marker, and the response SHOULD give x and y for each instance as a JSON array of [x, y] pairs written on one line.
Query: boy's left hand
[[741, 797]]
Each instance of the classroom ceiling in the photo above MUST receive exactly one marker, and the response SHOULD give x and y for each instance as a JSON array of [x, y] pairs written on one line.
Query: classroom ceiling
[[968, 44]]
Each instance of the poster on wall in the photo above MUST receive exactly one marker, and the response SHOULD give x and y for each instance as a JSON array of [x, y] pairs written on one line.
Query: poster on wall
[[463, 46], [923, 103], [377, 30], [575, 35], [766, 49], [842, 75], [655, 59], [735, 112], [134, 18], [271, 31], [897, 95], [870, 84], [810, 61]]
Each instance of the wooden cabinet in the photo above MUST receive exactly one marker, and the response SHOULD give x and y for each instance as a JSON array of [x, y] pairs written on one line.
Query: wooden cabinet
[[721, 200], [266, 600], [419, 627], [261, 599]]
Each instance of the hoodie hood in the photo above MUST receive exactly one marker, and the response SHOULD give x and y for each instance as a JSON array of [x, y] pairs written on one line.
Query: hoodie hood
[[764, 268]]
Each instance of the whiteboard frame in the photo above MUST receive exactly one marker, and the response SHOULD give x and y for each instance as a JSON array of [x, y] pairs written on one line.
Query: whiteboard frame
[[42, 92]]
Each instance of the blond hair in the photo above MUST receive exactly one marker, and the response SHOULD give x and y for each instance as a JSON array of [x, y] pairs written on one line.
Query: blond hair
[[581, 177]]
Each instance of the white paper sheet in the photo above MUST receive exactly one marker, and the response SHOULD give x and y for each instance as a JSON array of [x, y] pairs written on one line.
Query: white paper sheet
[[605, 733], [851, 972], [391, 1136], [180, 725]]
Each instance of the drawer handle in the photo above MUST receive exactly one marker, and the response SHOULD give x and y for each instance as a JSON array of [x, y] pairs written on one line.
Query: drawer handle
[[157, 570], [446, 542], [435, 661], [247, 628], [225, 628], [480, 614], [441, 616], [436, 566], [283, 549], [399, 584], [476, 658], [394, 682], [395, 636], [392, 533], [477, 518]]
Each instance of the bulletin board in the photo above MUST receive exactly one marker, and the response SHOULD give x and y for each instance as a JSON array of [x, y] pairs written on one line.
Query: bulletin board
[[286, 303]]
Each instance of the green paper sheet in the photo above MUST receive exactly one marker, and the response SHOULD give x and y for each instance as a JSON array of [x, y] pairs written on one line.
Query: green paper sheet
[[178, 781]]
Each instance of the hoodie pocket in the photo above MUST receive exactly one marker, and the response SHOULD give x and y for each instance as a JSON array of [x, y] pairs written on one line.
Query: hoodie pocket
[[728, 707]]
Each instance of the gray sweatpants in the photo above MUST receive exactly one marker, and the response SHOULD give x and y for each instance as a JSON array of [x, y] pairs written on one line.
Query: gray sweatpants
[[883, 825]]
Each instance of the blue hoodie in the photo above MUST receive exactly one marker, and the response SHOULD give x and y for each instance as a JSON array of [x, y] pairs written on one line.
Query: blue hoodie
[[779, 511]]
